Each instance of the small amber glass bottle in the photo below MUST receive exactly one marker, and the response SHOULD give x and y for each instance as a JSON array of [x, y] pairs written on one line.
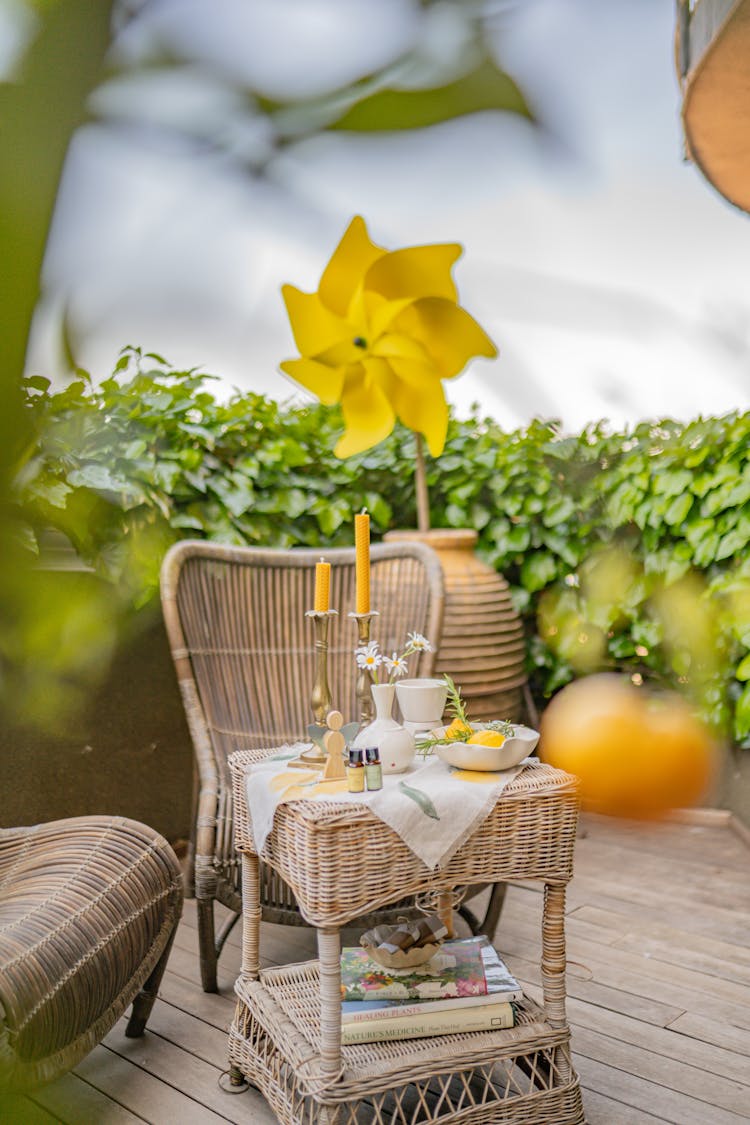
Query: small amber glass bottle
[[355, 771]]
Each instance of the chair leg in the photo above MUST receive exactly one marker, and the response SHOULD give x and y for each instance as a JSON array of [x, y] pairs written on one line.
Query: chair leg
[[488, 924], [225, 931], [207, 944], [190, 858], [494, 909], [144, 1001]]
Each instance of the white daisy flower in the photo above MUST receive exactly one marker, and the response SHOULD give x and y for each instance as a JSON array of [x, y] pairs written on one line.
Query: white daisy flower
[[417, 643], [368, 656], [396, 666]]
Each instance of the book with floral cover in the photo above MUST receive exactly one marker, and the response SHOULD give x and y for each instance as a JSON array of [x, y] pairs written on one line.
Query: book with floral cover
[[464, 972]]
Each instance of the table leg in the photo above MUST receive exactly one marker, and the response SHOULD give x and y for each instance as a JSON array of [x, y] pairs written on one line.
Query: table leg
[[251, 915], [329, 956], [553, 954], [553, 963]]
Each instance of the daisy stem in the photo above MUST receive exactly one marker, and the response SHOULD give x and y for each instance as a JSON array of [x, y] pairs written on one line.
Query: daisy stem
[[420, 485]]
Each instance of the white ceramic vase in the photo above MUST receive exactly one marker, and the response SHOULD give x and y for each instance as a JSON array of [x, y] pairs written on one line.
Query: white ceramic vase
[[396, 745]]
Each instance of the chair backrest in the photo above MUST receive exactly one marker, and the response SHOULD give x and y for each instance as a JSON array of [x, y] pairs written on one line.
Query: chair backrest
[[244, 649]]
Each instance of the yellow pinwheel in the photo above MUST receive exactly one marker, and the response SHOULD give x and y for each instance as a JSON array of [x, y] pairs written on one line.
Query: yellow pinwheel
[[381, 332]]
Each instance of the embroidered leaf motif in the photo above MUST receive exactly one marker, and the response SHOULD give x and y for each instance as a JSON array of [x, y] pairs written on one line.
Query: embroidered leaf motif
[[282, 757], [420, 798]]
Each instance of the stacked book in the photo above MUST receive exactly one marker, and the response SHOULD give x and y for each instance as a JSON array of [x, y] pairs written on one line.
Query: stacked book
[[464, 987]]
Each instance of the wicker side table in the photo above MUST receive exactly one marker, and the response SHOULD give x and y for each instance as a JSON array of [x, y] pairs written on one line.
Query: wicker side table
[[342, 861]]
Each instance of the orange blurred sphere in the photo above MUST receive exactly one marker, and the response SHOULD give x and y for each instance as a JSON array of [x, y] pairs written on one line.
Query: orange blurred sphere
[[636, 755]]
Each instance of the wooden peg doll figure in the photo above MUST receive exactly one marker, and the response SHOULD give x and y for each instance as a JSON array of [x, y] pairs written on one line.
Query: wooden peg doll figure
[[334, 743]]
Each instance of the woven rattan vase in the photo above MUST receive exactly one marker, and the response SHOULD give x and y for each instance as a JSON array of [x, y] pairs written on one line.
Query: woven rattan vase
[[482, 645]]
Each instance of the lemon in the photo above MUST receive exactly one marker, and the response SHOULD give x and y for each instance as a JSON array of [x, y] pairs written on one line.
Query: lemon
[[487, 738], [456, 729]]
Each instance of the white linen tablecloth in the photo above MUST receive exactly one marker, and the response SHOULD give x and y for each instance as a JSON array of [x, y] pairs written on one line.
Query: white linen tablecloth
[[433, 807]]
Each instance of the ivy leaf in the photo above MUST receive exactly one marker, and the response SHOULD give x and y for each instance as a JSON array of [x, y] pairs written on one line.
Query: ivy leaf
[[37, 382], [730, 544], [455, 515], [537, 571], [516, 540], [182, 519], [331, 513], [53, 492], [678, 509], [379, 509], [101, 479], [705, 552], [236, 493], [674, 483], [559, 510]]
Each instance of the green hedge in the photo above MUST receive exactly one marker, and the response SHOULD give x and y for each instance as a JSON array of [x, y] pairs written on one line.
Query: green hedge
[[624, 550]]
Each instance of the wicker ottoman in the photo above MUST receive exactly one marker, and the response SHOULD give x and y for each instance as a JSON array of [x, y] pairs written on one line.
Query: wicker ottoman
[[88, 910]]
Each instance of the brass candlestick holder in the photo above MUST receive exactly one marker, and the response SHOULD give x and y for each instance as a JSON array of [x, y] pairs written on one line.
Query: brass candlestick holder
[[364, 679], [320, 700]]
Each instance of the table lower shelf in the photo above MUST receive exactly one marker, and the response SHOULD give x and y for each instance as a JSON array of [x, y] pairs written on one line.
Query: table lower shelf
[[523, 1074]]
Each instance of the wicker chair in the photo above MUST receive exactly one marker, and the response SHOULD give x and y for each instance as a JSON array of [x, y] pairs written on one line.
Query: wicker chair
[[244, 654], [88, 910]]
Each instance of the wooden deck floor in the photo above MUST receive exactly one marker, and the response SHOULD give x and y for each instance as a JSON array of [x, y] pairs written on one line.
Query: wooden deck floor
[[658, 981]]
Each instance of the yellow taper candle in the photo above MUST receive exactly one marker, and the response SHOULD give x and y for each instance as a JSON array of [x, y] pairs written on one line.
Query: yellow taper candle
[[322, 585], [362, 545]]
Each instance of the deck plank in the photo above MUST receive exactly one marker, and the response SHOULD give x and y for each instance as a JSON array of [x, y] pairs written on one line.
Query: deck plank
[[647, 1097], [16, 1109], [663, 1042], [730, 953], [155, 1100], [713, 1032], [715, 1092], [601, 1110], [73, 1101]]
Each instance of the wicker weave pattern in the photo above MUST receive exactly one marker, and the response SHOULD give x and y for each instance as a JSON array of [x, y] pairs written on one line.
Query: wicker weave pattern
[[286, 1034], [244, 655], [88, 909], [333, 855]]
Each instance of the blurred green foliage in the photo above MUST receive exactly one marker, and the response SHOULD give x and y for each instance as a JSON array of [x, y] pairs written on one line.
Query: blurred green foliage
[[444, 68], [624, 550], [49, 652]]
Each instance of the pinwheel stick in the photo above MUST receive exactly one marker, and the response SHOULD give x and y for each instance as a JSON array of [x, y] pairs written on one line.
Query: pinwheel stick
[[420, 485]]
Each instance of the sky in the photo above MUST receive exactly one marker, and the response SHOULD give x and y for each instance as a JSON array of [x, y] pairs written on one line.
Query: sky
[[611, 275]]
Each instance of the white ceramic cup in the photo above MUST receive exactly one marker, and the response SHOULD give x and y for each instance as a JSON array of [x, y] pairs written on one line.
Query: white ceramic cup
[[422, 700]]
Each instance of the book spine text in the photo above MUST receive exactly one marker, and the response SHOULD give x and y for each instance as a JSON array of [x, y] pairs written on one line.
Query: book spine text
[[451, 1022]]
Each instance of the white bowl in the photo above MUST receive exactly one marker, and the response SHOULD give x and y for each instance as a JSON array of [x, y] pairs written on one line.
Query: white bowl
[[474, 756], [422, 700]]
